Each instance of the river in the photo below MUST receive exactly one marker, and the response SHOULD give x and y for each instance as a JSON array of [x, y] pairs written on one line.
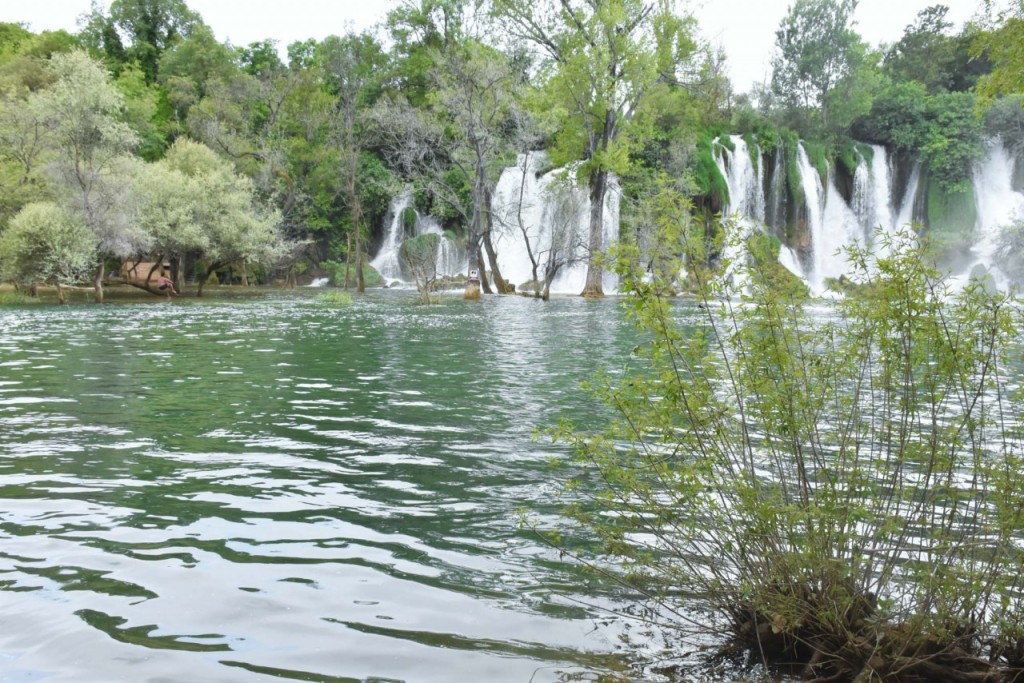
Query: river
[[272, 488]]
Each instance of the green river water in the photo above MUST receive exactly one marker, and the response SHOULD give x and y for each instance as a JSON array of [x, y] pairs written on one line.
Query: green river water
[[275, 489]]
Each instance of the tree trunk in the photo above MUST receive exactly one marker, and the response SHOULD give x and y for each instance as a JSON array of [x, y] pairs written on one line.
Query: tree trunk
[[245, 274], [472, 290], [60, 294], [357, 211], [492, 255], [598, 187], [97, 282], [485, 281], [178, 272], [348, 260], [206, 276]]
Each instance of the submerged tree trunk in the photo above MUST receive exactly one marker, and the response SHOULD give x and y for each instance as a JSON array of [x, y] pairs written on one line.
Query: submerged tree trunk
[[97, 282], [522, 225], [357, 220], [598, 187], [485, 281], [492, 254], [472, 290]]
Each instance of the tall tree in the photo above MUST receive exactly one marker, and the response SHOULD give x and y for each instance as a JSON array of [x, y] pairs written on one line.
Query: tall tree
[[477, 98], [353, 65], [926, 52], [1004, 44], [83, 116], [603, 56], [815, 49], [151, 27], [225, 220]]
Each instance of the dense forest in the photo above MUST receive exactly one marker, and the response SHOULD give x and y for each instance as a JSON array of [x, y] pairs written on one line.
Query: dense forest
[[141, 138]]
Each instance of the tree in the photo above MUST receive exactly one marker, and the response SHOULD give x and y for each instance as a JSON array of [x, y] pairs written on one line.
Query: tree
[[558, 242], [22, 154], [280, 129], [926, 52], [91, 145], [419, 255], [477, 99], [1004, 46], [150, 27], [235, 229], [168, 205], [352, 67], [187, 67], [603, 58], [44, 244], [420, 31], [815, 48], [566, 240]]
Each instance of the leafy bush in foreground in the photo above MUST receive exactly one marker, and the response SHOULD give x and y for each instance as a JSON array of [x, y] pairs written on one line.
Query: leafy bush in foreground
[[844, 494]]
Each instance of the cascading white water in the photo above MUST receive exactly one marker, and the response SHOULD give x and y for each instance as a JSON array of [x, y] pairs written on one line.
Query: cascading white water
[[536, 213], [998, 206], [833, 223], [810, 183], [836, 225], [746, 208], [451, 260], [905, 215], [745, 180], [743, 177], [387, 262]]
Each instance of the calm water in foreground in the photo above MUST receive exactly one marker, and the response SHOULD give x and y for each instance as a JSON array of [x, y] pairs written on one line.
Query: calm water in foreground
[[236, 491]]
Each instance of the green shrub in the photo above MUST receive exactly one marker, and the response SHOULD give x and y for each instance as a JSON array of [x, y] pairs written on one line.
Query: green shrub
[[17, 299], [708, 179], [335, 298], [840, 493], [336, 271]]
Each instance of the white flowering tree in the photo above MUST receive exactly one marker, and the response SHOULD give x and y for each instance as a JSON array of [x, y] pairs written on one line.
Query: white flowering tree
[[45, 244]]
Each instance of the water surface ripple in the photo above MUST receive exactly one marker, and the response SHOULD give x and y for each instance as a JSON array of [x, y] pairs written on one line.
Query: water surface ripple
[[272, 489]]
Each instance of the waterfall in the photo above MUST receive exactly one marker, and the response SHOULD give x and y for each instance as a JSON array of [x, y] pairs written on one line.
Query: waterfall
[[776, 205], [451, 259], [998, 204], [544, 213], [905, 215], [745, 178], [810, 183], [836, 225], [746, 208], [387, 262]]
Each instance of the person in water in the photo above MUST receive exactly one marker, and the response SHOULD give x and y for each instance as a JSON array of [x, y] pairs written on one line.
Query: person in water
[[165, 285]]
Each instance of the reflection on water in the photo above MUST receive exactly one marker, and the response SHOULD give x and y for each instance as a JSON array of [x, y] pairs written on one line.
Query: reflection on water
[[214, 492]]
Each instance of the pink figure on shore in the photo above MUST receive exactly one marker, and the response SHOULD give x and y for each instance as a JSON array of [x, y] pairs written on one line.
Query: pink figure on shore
[[165, 285]]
